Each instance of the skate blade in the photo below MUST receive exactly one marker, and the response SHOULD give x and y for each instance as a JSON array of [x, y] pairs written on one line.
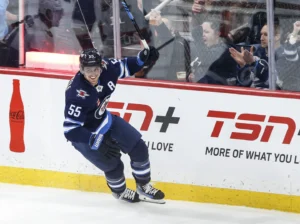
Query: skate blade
[[155, 201]]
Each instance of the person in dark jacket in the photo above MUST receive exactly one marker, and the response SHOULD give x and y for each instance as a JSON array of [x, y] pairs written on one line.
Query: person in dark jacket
[[253, 67], [288, 66]]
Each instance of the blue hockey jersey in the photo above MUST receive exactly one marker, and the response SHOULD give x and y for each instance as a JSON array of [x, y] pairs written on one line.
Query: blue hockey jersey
[[85, 105]]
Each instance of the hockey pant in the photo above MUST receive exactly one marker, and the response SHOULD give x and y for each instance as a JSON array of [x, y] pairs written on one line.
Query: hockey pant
[[131, 143]]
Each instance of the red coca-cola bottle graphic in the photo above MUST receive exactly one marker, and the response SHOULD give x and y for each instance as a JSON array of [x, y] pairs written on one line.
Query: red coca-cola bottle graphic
[[16, 119]]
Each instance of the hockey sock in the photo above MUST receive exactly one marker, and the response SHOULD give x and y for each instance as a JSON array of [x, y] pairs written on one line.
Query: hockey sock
[[141, 172], [116, 179], [140, 163]]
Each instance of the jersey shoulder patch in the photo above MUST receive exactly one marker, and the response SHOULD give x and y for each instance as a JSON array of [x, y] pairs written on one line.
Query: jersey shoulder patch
[[79, 91], [112, 61], [105, 63], [114, 67]]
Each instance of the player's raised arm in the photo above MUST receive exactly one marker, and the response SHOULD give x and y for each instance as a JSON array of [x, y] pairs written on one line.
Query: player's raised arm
[[130, 65]]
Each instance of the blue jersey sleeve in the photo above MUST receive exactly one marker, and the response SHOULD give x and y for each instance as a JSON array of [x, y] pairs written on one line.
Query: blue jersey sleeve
[[76, 109], [126, 67], [75, 115]]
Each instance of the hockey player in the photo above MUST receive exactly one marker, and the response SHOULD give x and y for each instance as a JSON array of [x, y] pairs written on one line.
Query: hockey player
[[100, 136]]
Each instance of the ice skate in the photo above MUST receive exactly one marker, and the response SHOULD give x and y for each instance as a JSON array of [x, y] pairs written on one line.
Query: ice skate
[[150, 194], [127, 195]]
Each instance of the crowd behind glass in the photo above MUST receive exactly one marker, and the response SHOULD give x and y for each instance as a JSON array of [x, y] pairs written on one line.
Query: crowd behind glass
[[217, 42]]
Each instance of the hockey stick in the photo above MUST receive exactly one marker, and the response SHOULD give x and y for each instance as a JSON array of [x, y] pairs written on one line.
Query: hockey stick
[[86, 26], [135, 24], [165, 44], [158, 8]]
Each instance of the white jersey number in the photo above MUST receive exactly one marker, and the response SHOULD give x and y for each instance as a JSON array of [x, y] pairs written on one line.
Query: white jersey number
[[74, 111]]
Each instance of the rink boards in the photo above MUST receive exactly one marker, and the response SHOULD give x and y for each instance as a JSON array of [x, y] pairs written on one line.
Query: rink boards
[[206, 144]]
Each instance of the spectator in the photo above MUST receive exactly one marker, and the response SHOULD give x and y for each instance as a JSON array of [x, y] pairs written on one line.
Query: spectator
[[212, 64], [12, 12], [84, 17], [253, 64], [11, 17], [3, 22], [38, 33], [160, 34], [174, 57], [258, 20], [291, 49], [7, 18], [39, 36], [288, 66], [13, 6], [8, 55], [200, 10], [240, 25], [237, 20]]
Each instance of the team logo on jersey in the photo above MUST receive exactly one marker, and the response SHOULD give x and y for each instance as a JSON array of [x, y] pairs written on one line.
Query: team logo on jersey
[[99, 88], [70, 83], [82, 94], [102, 108], [104, 64]]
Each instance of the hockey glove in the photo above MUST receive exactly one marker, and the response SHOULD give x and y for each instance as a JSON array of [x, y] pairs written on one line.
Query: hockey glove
[[109, 147], [149, 56]]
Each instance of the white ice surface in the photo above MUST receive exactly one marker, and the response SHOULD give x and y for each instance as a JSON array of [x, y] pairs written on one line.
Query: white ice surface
[[33, 205]]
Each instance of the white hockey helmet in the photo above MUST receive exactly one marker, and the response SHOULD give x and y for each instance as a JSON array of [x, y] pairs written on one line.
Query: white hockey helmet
[[53, 5]]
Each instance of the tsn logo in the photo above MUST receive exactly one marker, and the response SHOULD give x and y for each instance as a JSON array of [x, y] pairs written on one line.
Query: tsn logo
[[131, 107], [165, 121], [256, 127]]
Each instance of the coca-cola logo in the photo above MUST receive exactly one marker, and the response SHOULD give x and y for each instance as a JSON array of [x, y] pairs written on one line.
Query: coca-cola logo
[[17, 115]]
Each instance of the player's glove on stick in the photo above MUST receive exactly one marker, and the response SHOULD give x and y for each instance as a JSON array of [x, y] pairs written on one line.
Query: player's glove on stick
[[149, 56], [109, 148]]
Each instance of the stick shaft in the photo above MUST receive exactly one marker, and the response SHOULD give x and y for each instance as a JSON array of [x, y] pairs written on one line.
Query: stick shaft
[[131, 17]]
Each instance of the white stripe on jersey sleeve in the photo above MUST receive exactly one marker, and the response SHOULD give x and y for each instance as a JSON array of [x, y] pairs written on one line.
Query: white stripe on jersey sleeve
[[104, 122], [122, 69], [70, 128], [127, 73], [69, 120]]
